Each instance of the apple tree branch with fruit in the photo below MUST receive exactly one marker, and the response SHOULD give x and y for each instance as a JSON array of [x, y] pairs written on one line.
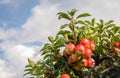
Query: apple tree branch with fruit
[[81, 49]]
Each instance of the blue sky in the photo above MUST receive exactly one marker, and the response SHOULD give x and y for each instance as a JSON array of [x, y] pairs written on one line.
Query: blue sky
[[15, 14], [26, 24]]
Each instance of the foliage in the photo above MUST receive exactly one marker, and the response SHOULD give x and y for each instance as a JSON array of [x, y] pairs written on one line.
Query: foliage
[[104, 35]]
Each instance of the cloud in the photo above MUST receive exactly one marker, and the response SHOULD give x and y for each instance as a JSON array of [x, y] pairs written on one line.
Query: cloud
[[15, 57], [41, 24], [4, 72]]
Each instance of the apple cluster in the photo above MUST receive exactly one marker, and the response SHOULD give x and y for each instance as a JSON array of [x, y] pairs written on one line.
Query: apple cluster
[[79, 55], [117, 47], [65, 76]]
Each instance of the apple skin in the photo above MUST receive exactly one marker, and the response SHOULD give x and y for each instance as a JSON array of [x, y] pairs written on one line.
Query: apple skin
[[92, 45], [79, 49], [84, 62], [117, 44], [90, 63], [65, 76], [85, 42], [88, 52], [72, 58], [70, 48]]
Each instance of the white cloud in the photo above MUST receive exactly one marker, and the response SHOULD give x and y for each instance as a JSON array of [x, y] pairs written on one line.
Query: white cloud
[[16, 58], [41, 24], [4, 71]]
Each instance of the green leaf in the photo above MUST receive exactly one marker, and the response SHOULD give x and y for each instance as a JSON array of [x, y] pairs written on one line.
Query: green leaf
[[102, 22], [63, 32], [48, 55], [63, 26], [81, 22], [109, 22], [46, 51], [63, 15], [93, 21], [83, 15], [51, 39], [31, 62], [27, 66], [72, 12], [28, 69], [27, 73]]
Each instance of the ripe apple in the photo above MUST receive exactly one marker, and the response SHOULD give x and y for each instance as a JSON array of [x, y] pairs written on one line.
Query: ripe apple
[[92, 45], [70, 48], [65, 76], [84, 62], [72, 58], [90, 62], [79, 49], [117, 44], [85, 42], [88, 52]]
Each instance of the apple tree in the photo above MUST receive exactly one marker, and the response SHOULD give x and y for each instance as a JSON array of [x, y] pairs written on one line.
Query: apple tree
[[82, 48]]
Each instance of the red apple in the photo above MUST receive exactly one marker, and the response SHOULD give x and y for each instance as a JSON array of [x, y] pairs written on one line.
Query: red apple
[[92, 45], [90, 62], [117, 44], [85, 42], [70, 48], [72, 58], [79, 49], [84, 62], [65, 76], [88, 52]]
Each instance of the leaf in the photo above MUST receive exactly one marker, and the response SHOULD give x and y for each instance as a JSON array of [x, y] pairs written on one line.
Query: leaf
[[102, 22], [32, 63], [63, 26], [45, 51], [63, 32], [93, 21], [28, 69], [51, 39], [81, 22], [48, 55], [63, 15], [27, 66], [72, 12], [83, 15], [38, 62], [27, 73], [88, 22], [109, 22]]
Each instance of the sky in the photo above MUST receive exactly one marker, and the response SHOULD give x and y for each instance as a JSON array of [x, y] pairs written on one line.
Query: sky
[[26, 24]]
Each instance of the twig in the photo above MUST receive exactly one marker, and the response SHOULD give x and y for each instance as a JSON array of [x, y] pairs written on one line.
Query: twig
[[107, 69]]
